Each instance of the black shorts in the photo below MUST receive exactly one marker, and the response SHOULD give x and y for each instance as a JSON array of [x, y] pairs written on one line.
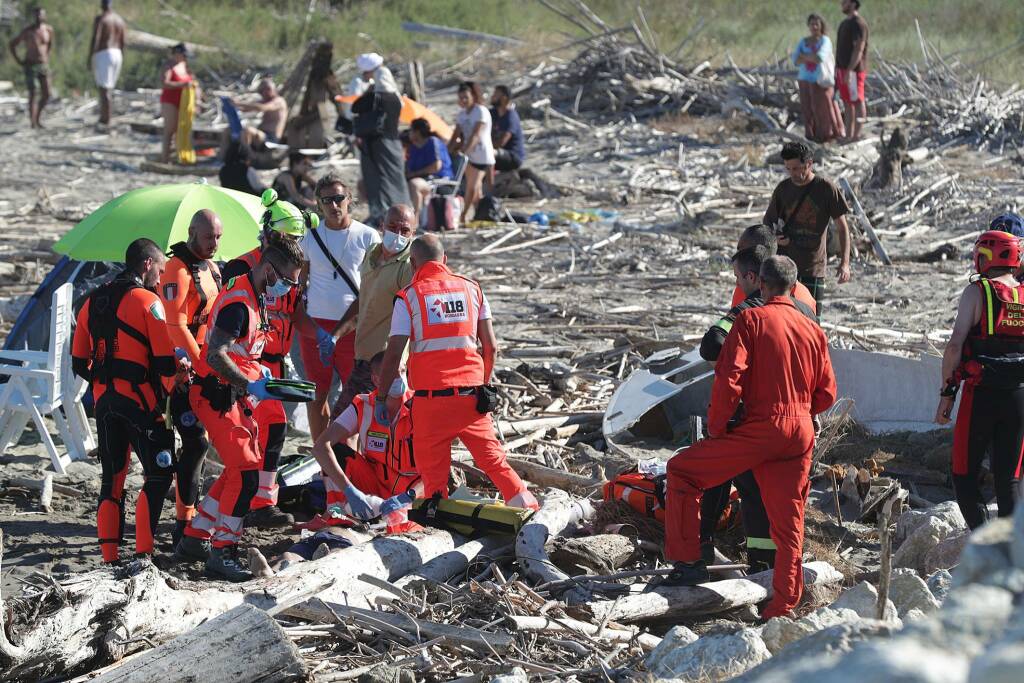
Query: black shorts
[[505, 160], [481, 167]]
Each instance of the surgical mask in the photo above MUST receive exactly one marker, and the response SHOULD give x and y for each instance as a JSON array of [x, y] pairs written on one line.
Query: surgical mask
[[279, 289], [394, 242]]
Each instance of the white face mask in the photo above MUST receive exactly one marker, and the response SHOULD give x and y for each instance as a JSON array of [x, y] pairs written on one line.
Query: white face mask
[[394, 242]]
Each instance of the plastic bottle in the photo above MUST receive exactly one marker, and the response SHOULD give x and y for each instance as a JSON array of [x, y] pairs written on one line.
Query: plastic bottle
[[396, 519]]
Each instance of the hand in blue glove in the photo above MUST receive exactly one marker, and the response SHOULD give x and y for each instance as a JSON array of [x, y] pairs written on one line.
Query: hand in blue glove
[[258, 388], [399, 502], [182, 356], [325, 344], [380, 412], [359, 503]]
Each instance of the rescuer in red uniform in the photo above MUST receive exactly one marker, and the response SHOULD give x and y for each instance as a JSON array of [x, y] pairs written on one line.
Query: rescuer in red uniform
[[986, 353], [231, 383], [776, 360]]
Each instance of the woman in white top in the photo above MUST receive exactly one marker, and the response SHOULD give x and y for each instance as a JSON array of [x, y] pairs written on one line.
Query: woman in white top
[[813, 54], [472, 137]]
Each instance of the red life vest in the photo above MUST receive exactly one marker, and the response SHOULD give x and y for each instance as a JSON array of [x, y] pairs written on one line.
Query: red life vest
[[246, 350], [389, 451], [444, 309], [279, 314]]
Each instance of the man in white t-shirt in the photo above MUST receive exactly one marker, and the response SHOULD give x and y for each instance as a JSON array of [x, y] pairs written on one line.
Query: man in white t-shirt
[[332, 291]]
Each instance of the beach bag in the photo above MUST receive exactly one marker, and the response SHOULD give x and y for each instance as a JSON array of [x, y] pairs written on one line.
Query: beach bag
[[442, 213], [827, 71], [643, 493], [488, 209]]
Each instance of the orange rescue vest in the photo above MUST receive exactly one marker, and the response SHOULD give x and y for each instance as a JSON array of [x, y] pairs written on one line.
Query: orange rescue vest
[[389, 451], [444, 309], [279, 315], [246, 350]]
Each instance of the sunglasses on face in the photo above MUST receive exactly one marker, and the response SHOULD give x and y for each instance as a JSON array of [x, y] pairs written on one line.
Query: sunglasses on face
[[334, 199], [282, 278]]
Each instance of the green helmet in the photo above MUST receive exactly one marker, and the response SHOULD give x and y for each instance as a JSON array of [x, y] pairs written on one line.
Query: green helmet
[[285, 217]]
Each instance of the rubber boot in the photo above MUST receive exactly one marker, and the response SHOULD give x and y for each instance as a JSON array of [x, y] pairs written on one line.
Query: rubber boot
[[179, 531], [269, 517], [707, 552], [223, 563], [190, 549]]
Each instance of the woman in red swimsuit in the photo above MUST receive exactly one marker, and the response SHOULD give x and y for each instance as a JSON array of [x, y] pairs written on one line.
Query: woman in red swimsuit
[[177, 76]]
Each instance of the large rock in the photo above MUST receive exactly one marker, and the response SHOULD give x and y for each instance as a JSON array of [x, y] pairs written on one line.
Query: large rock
[[946, 554], [908, 591], [781, 631], [948, 512], [1004, 663], [987, 552], [517, 675], [925, 536], [863, 599], [939, 584], [713, 657], [677, 637], [970, 618]]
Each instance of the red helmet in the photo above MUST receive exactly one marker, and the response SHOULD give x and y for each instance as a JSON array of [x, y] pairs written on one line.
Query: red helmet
[[994, 249]]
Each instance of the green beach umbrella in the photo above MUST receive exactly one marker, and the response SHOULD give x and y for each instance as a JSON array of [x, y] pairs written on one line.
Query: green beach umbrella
[[162, 213]]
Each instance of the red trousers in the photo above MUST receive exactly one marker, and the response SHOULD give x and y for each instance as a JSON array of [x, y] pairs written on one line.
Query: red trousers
[[341, 363], [235, 435], [268, 414], [778, 451], [437, 421]]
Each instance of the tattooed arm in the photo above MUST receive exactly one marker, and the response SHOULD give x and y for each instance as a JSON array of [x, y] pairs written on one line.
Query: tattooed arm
[[217, 343]]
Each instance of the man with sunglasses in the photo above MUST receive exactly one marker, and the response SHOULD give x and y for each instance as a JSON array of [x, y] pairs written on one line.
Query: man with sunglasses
[[281, 221], [231, 385], [333, 252]]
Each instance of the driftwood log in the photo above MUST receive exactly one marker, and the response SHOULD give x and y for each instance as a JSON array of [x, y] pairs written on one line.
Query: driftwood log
[[98, 614], [558, 512], [242, 645], [708, 598]]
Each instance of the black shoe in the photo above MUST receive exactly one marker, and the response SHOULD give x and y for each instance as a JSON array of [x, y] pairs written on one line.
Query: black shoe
[[179, 531], [223, 563], [190, 549], [687, 574], [707, 552], [270, 517]]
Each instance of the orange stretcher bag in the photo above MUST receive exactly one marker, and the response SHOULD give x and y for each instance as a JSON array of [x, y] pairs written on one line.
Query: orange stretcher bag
[[643, 493]]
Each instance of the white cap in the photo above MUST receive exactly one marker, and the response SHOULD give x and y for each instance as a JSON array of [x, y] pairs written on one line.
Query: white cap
[[368, 61]]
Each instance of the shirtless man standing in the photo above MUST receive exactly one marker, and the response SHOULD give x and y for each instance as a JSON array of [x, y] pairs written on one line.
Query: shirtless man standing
[[38, 40], [106, 56], [274, 111]]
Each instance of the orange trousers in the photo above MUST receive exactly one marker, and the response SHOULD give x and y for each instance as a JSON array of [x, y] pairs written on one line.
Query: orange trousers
[[235, 435], [439, 420], [778, 451]]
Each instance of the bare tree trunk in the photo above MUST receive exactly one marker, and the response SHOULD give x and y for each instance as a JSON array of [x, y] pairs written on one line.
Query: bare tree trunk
[[559, 511]]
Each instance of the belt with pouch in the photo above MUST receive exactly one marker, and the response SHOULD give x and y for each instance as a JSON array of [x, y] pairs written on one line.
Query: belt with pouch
[[451, 391]]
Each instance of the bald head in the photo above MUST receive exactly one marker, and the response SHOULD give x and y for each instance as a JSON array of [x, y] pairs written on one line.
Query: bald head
[[204, 233], [426, 248], [399, 213]]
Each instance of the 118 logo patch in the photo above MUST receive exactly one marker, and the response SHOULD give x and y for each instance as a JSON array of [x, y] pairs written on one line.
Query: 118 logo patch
[[449, 307]]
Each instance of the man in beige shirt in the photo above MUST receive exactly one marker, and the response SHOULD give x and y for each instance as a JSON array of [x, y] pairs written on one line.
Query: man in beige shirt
[[385, 271]]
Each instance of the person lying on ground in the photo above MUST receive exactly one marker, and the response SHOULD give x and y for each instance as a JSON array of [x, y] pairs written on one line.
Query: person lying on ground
[[381, 478], [296, 184], [427, 159], [274, 116], [320, 544], [507, 131]]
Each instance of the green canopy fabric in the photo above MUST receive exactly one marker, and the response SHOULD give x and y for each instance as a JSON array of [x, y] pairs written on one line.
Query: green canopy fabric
[[162, 213]]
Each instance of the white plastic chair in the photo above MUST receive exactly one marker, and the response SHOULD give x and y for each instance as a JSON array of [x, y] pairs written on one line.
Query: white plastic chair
[[41, 383]]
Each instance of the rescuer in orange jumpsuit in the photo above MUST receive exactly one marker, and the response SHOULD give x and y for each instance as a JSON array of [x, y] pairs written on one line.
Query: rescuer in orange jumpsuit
[[777, 362], [382, 468], [230, 383], [188, 289], [443, 316], [121, 347], [287, 314]]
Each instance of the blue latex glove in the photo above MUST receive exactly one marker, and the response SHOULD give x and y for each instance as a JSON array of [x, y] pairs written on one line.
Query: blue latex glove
[[399, 502], [182, 355], [358, 503], [380, 412], [258, 388], [325, 344]]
